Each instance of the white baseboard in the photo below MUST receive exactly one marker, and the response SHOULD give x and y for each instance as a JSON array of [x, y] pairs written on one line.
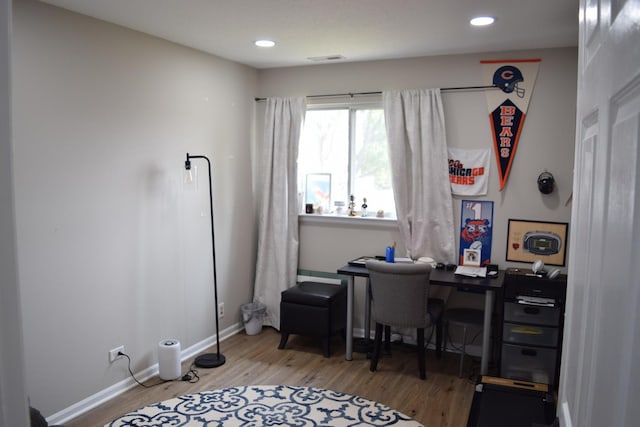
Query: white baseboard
[[120, 387]]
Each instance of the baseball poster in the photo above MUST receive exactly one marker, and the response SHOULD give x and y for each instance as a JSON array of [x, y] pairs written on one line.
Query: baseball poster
[[476, 231]]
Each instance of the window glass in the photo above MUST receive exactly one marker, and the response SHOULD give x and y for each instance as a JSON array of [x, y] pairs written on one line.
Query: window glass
[[350, 145]]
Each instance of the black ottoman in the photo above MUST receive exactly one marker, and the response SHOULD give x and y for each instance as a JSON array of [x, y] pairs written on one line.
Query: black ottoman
[[313, 308]]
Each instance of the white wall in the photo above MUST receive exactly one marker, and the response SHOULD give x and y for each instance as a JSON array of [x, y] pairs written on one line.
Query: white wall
[[547, 141], [111, 250], [13, 398]]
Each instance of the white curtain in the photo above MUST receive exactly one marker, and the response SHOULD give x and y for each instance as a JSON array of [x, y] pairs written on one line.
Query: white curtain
[[277, 260], [420, 173]]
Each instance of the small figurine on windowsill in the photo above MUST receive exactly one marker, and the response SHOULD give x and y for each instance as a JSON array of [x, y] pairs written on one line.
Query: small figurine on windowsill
[[364, 207], [352, 205]]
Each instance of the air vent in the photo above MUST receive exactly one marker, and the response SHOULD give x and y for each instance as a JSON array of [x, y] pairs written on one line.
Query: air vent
[[326, 58]]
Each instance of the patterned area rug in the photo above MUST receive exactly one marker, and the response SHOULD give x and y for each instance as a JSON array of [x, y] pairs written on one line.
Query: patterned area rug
[[257, 406]]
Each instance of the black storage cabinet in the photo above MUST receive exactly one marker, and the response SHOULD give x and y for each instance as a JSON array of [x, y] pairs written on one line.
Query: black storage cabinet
[[531, 332]]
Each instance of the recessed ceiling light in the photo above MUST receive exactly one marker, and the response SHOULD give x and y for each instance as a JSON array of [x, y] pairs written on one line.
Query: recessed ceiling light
[[265, 43], [480, 21]]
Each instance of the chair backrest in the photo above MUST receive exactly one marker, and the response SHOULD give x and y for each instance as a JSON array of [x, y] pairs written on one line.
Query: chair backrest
[[436, 292], [400, 293]]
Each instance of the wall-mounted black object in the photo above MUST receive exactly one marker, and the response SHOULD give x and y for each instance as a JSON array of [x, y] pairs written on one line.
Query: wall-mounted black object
[[546, 182], [208, 360]]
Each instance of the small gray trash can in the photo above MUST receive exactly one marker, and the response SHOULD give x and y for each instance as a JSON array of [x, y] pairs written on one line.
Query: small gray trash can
[[253, 315]]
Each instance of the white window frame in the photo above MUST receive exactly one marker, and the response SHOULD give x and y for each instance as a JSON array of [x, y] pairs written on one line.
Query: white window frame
[[368, 102]]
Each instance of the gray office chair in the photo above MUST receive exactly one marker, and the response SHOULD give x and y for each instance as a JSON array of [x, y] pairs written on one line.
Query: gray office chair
[[399, 297], [465, 318]]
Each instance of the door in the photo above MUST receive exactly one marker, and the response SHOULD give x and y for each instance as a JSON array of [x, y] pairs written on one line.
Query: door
[[600, 364]]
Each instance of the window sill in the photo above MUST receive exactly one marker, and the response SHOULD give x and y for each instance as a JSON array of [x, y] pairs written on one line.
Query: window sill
[[350, 221]]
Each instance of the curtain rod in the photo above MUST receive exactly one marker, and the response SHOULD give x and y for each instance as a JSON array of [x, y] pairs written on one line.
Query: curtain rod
[[352, 94]]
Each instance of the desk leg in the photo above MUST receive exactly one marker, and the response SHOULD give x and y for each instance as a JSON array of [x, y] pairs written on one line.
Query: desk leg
[[367, 313], [349, 333], [486, 332]]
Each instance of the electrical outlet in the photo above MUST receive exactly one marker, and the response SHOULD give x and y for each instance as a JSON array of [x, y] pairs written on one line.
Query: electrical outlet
[[113, 353], [221, 310]]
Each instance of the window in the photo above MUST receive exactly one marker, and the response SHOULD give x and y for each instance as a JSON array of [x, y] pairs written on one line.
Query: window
[[349, 144]]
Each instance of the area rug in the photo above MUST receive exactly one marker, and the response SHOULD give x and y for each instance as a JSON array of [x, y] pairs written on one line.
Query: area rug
[[255, 406]]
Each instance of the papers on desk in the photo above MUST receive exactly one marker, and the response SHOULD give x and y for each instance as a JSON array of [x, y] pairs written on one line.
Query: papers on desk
[[471, 271], [362, 261]]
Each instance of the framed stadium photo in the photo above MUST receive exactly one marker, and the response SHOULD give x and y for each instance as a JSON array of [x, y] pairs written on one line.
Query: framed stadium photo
[[528, 241]]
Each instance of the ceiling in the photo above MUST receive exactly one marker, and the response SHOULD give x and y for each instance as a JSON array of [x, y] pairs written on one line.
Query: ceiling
[[357, 30]]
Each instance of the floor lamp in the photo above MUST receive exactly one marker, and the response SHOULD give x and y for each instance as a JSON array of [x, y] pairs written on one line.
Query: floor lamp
[[208, 360]]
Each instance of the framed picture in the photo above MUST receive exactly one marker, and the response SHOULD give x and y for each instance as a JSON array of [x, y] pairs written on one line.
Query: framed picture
[[471, 257], [318, 190], [528, 241]]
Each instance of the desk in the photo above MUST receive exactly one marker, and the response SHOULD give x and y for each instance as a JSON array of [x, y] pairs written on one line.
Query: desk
[[438, 277]]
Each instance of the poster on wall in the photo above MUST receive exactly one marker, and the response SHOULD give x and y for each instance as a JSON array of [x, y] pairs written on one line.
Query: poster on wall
[[476, 231], [469, 171], [508, 106]]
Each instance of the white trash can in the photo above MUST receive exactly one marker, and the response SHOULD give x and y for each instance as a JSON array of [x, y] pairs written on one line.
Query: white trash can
[[253, 316]]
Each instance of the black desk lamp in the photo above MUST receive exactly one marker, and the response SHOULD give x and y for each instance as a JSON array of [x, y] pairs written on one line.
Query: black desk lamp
[[209, 360]]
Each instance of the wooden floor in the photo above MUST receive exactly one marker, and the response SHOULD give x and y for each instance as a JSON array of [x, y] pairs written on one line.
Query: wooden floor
[[441, 400]]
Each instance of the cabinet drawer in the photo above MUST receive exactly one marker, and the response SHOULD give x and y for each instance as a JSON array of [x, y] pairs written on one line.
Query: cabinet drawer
[[528, 363], [520, 282], [523, 313], [530, 334]]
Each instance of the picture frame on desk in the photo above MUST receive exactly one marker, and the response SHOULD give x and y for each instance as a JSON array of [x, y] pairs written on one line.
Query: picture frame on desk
[[528, 241], [471, 257]]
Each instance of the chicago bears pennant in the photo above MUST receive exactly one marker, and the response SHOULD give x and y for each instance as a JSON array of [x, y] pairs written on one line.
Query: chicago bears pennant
[[508, 106]]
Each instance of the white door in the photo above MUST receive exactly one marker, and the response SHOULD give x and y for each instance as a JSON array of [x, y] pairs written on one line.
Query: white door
[[600, 376]]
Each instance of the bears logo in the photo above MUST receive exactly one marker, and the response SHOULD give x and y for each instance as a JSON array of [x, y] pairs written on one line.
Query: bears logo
[[474, 229], [507, 78]]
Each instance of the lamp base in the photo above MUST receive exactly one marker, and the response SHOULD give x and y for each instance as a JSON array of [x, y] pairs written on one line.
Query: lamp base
[[210, 360]]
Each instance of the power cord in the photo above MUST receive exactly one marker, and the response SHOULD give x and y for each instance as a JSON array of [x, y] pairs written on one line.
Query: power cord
[[191, 376]]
